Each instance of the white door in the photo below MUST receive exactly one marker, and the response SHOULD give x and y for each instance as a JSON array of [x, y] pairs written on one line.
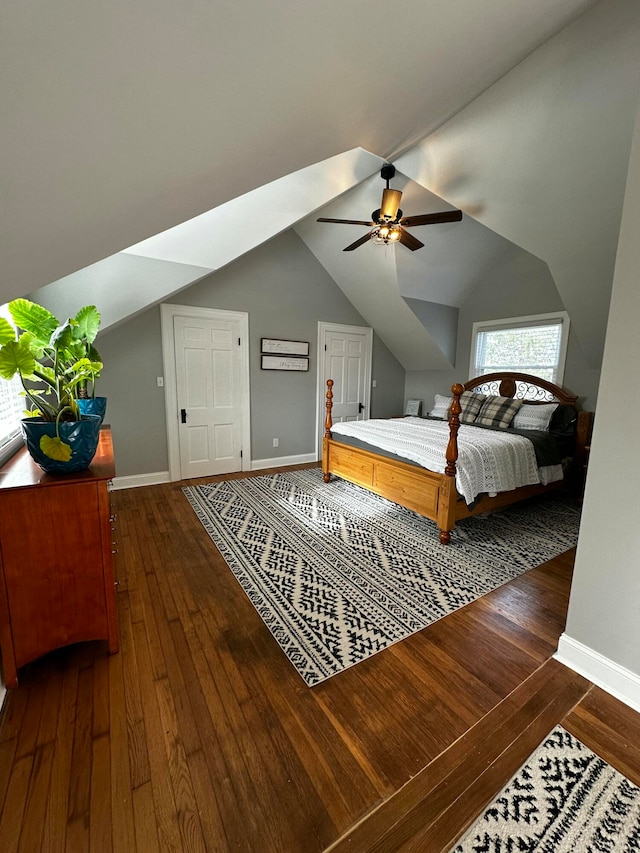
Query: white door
[[345, 357], [207, 402]]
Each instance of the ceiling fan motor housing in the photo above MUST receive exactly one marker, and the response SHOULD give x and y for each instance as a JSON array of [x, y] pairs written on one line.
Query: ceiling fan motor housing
[[389, 208]]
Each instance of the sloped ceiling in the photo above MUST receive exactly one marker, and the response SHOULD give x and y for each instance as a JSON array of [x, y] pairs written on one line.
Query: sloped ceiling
[[443, 271], [121, 120], [373, 277], [537, 160], [142, 275], [542, 156]]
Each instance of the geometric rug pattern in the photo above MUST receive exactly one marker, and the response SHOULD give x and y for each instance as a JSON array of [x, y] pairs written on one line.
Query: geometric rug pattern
[[565, 799], [338, 573]]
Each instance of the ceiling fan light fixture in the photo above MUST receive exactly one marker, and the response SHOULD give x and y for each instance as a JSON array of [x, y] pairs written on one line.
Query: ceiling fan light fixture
[[384, 234]]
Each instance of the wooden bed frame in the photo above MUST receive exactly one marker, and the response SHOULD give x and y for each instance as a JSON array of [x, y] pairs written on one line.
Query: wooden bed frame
[[434, 495]]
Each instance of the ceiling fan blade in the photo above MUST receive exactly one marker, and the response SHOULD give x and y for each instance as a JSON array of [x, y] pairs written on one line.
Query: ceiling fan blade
[[432, 218], [347, 221], [359, 242], [410, 241], [390, 203]]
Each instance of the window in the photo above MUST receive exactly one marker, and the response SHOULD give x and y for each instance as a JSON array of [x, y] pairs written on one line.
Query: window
[[12, 406], [535, 345]]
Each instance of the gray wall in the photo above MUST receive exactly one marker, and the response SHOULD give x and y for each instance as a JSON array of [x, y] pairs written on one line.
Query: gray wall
[[441, 321], [604, 609], [286, 292], [132, 355], [518, 286]]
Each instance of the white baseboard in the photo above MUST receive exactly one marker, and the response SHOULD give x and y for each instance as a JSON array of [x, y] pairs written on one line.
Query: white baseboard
[[615, 679], [281, 461], [157, 477], [135, 480]]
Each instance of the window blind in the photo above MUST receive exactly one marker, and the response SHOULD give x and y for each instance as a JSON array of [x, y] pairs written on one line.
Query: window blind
[[533, 349]]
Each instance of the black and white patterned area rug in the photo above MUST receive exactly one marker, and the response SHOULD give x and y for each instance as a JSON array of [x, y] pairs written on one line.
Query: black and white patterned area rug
[[338, 574], [565, 799]]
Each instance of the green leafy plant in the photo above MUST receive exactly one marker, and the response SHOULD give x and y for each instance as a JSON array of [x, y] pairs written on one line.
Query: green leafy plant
[[56, 362]]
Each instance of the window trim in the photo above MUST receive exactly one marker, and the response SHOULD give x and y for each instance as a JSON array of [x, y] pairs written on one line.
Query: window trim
[[12, 441], [561, 318], [11, 448]]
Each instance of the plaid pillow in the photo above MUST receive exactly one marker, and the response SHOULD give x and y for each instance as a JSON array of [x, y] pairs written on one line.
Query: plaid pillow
[[498, 412], [470, 404]]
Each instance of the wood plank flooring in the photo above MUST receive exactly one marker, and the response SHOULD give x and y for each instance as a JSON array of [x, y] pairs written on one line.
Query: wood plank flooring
[[199, 735]]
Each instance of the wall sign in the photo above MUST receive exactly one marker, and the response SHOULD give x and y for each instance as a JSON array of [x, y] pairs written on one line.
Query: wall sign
[[283, 362], [280, 347]]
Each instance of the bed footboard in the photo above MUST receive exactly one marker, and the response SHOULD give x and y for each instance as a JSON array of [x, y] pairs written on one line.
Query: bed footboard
[[417, 489], [425, 492]]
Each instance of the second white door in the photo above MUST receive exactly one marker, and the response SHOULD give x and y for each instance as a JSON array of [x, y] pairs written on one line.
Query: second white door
[[345, 356]]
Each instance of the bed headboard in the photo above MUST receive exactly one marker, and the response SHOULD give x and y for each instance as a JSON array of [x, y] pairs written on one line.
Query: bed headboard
[[522, 386]]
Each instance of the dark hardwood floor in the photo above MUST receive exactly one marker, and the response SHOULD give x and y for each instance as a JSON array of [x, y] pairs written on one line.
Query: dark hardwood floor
[[199, 735]]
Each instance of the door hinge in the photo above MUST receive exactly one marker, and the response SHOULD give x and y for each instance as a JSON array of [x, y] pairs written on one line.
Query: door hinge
[[325, 347], [240, 454], [238, 341]]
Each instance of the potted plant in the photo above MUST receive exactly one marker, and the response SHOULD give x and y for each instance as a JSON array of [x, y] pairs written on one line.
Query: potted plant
[[53, 362]]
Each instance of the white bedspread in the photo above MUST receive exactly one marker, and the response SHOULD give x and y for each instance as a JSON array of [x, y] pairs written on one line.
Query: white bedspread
[[488, 460]]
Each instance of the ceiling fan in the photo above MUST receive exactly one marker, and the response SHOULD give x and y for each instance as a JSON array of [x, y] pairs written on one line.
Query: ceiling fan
[[388, 223]]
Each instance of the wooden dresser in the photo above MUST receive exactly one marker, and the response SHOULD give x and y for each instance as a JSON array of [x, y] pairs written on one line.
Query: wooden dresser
[[56, 560]]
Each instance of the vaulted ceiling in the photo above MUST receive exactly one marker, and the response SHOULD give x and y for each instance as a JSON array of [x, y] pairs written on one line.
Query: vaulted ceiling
[[383, 282], [217, 126], [120, 120]]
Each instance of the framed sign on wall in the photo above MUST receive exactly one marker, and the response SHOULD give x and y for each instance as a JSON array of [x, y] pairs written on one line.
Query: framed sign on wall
[[283, 362], [276, 346]]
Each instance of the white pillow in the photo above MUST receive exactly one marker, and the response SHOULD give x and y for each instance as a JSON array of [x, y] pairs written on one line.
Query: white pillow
[[440, 406], [534, 417]]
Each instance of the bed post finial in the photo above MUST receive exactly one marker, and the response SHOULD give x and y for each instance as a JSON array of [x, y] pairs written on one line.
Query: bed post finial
[[328, 423]]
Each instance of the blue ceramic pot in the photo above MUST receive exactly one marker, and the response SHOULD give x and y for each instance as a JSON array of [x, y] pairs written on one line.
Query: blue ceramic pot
[[93, 406], [82, 436]]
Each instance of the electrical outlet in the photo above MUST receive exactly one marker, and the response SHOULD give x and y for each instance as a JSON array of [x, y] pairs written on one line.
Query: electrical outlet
[[160, 381], [275, 442], [374, 384]]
